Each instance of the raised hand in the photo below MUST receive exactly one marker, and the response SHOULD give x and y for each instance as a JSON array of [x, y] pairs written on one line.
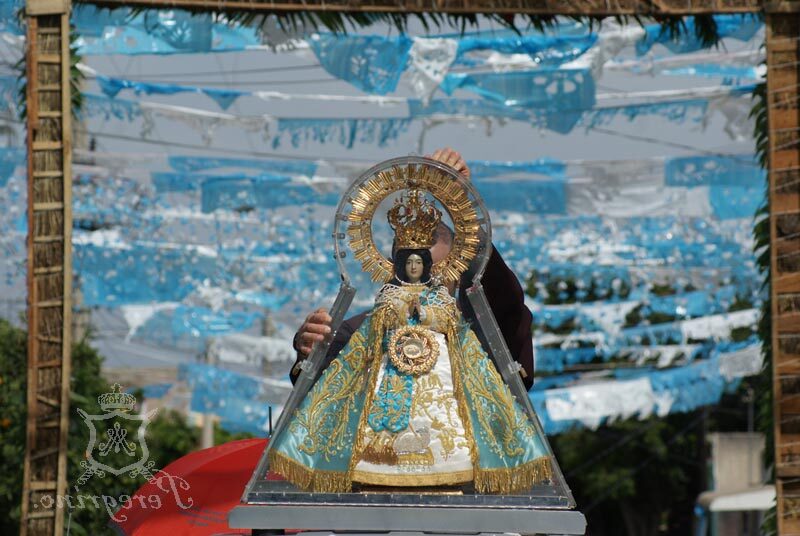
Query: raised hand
[[453, 159]]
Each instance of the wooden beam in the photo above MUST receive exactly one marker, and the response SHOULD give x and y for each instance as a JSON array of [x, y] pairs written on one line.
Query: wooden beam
[[46, 7], [529, 7], [783, 108], [49, 135]]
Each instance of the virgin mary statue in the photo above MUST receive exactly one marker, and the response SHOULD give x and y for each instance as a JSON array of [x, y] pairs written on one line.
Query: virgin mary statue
[[412, 400]]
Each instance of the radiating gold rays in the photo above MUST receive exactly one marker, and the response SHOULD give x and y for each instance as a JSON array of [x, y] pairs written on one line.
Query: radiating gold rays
[[450, 193]]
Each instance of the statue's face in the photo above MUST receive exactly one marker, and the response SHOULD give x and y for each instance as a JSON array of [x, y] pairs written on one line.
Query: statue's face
[[414, 268]]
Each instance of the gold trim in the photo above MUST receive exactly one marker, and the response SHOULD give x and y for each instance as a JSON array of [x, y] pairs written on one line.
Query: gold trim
[[504, 480], [379, 451], [424, 177], [456, 361], [306, 478], [412, 480], [432, 490], [510, 480], [378, 321]]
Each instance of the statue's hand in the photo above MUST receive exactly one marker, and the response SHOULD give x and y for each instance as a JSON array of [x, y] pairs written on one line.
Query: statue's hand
[[414, 306]]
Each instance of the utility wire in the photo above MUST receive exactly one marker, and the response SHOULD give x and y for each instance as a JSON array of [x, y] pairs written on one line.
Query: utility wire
[[245, 83], [657, 141], [235, 71], [295, 157], [230, 151]]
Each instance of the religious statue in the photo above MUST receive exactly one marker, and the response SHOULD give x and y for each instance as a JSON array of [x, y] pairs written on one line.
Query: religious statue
[[412, 400]]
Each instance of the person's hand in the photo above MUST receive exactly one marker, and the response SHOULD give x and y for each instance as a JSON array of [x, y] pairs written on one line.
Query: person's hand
[[453, 159], [316, 327]]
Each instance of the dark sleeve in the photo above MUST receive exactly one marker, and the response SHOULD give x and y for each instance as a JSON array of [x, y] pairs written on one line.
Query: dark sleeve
[[340, 340], [507, 301]]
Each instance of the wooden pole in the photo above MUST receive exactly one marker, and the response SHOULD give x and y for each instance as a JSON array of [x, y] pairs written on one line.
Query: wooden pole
[[207, 435], [49, 276], [783, 75]]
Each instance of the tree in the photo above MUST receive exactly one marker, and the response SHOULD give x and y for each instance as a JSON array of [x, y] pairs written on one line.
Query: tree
[[168, 437], [12, 424], [640, 475]]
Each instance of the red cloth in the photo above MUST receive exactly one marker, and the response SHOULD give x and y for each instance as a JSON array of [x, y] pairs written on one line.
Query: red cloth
[[215, 479]]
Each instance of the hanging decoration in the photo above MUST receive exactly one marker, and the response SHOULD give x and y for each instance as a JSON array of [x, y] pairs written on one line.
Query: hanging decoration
[[371, 63], [644, 299], [174, 31], [740, 27]]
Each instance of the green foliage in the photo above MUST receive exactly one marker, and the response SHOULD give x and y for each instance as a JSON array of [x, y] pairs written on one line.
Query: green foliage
[[741, 334], [168, 437], [565, 291], [12, 424], [760, 131], [762, 384], [705, 28], [641, 475], [662, 290], [761, 246], [87, 385], [635, 317], [661, 318], [740, 303], [342, 22], [565, 328], [76, 75]]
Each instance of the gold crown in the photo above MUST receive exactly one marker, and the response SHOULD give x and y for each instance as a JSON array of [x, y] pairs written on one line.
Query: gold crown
[[116, 399], [414, 220]]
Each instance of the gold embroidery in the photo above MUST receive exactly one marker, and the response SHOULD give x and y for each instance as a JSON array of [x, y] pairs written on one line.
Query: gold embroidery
[[306, 478], [507, 480], [497, 397], [438, 312], [428, 394], [414, 479], [447, 437], [503, 423], [423, 458], [456, 360], [380, 450], [324, 417], [413, 350], [348, 388], [396, 386], [378, 322]]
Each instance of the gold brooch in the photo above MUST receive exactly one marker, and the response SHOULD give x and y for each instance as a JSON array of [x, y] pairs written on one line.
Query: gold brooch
[[413, 350]]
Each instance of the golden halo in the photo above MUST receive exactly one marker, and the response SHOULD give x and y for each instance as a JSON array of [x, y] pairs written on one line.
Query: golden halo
[[441, 186]]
